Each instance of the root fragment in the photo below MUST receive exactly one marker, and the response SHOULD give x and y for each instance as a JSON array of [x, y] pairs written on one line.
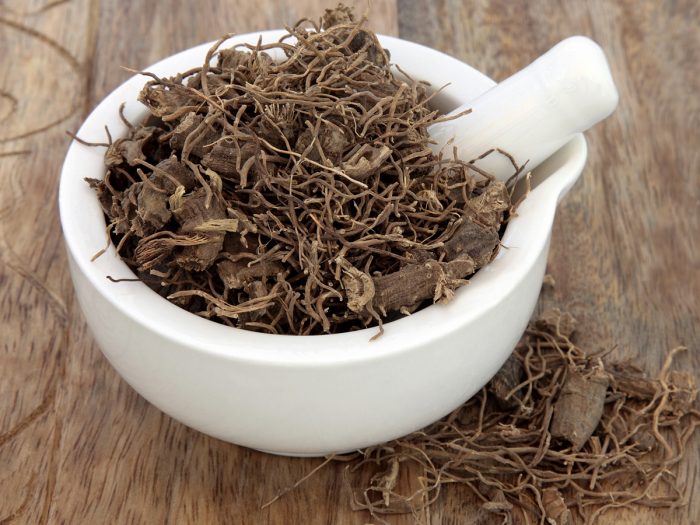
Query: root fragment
[[579, 406]]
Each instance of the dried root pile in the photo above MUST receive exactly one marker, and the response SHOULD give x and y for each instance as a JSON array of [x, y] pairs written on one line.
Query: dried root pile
[[289, 188], [557, 437]]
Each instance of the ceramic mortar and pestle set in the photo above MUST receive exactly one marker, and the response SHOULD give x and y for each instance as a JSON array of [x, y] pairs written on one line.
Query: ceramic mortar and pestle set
[[315, 395]]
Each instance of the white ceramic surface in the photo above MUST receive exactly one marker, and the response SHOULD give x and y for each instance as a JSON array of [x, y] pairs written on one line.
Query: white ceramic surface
[[534, 112], [319, 394]]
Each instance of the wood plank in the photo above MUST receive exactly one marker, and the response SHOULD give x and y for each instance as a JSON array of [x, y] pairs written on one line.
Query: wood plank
[[77, 445]]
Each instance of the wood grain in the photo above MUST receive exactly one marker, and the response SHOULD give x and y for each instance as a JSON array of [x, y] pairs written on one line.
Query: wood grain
[[77, 445]]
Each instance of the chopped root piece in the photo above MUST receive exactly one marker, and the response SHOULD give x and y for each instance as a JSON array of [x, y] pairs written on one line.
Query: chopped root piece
[[579, 406], [504, 383], [555, 508], [472, 239], [417, 282]]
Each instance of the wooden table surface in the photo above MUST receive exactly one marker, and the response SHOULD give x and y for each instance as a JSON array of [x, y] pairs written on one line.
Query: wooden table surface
[[78, 445]]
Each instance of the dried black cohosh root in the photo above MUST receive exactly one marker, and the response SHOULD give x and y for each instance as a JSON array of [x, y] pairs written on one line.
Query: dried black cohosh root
[[297, 195], [539, 444]]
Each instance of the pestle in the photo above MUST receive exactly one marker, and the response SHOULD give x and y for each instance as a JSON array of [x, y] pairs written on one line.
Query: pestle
[[533, 113]]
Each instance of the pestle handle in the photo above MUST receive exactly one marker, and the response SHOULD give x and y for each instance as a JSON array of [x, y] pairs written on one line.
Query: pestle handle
[[533, 113]]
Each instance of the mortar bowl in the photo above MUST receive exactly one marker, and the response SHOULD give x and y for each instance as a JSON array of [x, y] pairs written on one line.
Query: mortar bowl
[[308, 395]]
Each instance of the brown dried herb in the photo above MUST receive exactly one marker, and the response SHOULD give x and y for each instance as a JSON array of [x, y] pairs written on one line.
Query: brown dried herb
[[579, 406], [500, 443], [623, 439], [301, 189]]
